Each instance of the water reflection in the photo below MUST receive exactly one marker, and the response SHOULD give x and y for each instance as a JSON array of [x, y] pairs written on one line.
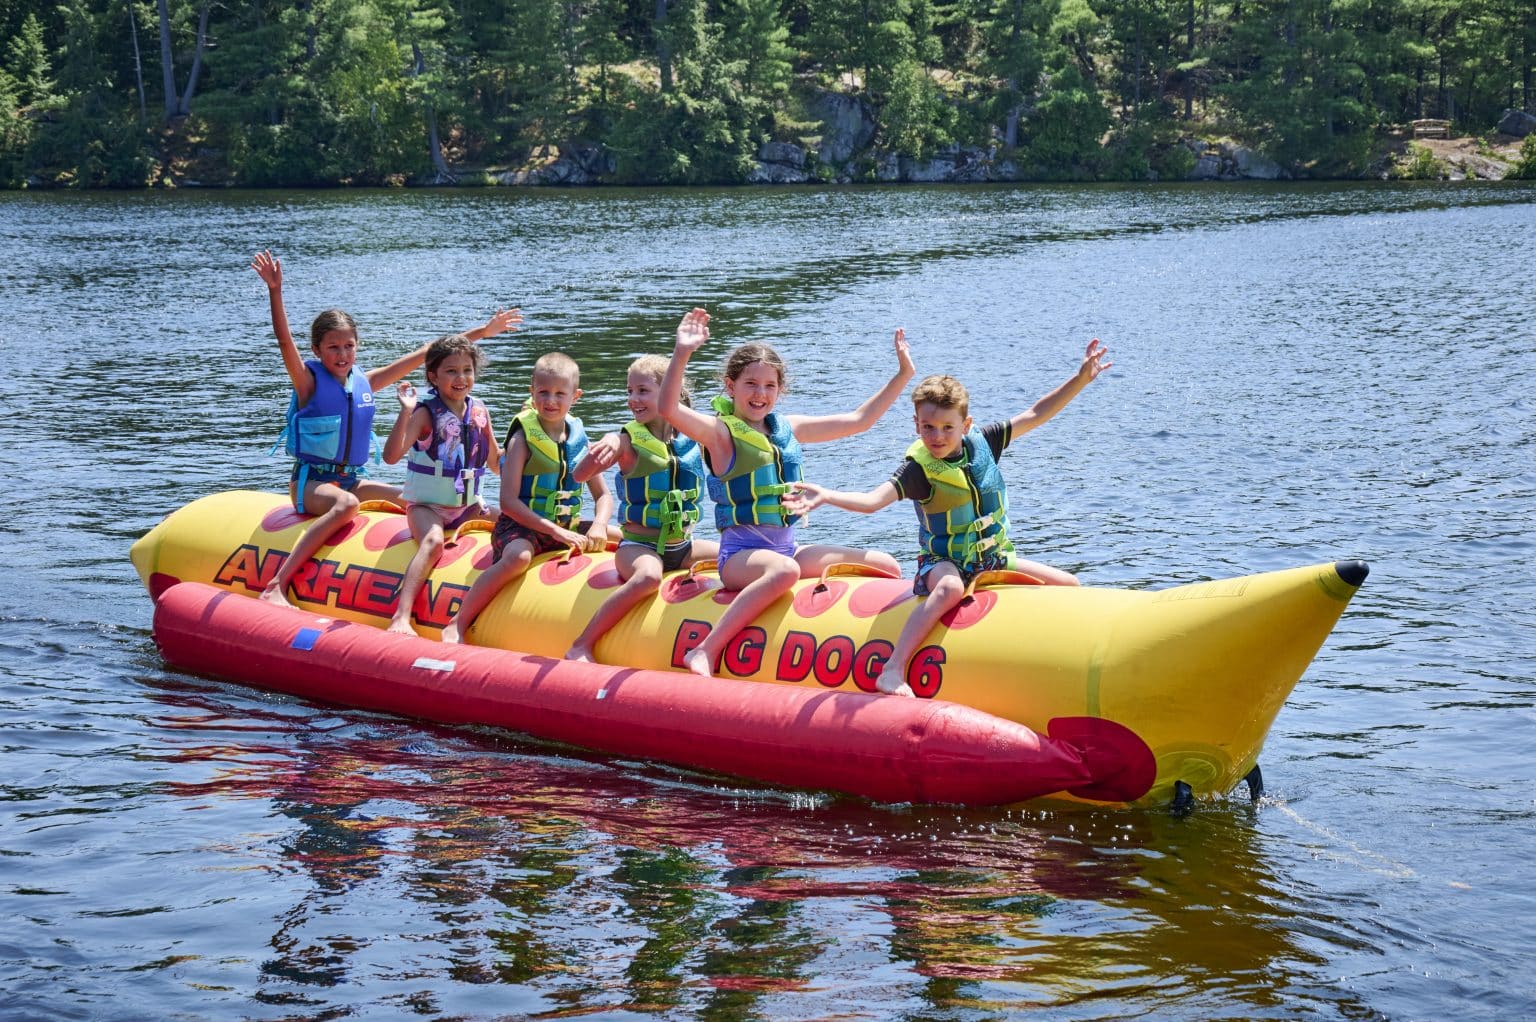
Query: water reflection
[[602, 885]]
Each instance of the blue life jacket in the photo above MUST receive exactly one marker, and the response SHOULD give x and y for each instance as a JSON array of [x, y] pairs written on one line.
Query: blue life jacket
[[762, 468], [336, 426], [447, 468], [965, 517], [546, 485], [661, 491]]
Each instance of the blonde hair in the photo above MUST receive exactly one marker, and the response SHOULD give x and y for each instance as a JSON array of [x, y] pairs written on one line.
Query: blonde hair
[[655, 366], [942, 392], [558, 363]]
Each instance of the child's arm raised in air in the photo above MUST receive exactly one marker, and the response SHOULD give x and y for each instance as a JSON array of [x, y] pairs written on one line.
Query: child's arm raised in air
[[502, 321], [712, 434], [270, 268], [808, 496], [602, 513], [815, 429], [613, 449], [513, 506], [413, 423], [1094, 362]]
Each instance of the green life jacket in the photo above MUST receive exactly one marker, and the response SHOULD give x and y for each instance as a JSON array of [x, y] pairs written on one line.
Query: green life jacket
[[965, 517], [763, 465], [546, 485], [662, 490]]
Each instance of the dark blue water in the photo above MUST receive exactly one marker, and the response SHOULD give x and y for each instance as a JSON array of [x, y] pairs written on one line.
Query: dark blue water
[[1301, 374]]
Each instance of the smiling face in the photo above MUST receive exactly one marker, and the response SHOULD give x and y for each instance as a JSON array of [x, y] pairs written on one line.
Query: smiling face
[[754, 391], [553, 394], [941, 429], [453, 378], [643, 391], [337, 351]]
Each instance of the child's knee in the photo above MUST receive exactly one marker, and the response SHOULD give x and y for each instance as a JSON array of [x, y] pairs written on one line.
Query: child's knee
[[947, 589], [647, 576], [782, 574]]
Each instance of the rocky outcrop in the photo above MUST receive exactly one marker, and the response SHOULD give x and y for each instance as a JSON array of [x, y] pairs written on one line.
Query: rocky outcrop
[[848, 126], [576, 164], [1225, 161], [1517, 123], [779, 163]]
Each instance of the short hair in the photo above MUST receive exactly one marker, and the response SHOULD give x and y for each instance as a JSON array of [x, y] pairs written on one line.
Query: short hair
[[558, 363], [454, 344], [737, 361], [655, 366], [942, 392], [331, 319]]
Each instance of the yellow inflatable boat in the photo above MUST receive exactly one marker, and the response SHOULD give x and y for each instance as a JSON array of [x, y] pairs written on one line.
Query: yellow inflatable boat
[[1197, 671]]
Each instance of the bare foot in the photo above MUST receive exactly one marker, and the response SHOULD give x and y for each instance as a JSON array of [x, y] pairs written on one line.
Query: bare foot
[[400, 627], [697, 661], [274, 594], [580, 654], [451, 632], [893, 685]]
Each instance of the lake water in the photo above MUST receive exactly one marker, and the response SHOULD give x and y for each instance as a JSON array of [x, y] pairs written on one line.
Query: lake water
[[1301, 374]]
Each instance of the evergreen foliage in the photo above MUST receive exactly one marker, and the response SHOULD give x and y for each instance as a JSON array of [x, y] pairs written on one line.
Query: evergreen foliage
[[128, 93]]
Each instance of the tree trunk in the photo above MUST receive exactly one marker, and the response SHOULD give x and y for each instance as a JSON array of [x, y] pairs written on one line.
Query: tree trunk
[[441, 174], [167, 70], [138, 64], [184, 105], [663, 46], [1189, 76]]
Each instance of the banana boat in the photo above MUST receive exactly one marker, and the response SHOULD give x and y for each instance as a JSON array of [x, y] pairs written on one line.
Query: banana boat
[[1197, 673]]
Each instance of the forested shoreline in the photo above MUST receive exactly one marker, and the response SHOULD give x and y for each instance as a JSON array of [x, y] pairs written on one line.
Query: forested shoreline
[[109, 94]]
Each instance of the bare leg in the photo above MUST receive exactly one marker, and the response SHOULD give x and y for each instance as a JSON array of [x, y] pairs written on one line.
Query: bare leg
[[640, 568], [761, 576], [1045, 573], [815, 559], [515, 559], [945, 591], [335, 507], [427, 530]]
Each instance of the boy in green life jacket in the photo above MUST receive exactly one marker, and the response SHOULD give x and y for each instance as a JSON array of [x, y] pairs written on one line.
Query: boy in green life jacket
[[540, 498], [952, 474]]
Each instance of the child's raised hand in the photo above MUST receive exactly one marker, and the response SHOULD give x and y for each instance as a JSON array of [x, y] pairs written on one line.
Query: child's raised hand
[[1095, 361], [804, 498], [692, 332], [407, 395], [502, 321], [903, 353], [270, 268]]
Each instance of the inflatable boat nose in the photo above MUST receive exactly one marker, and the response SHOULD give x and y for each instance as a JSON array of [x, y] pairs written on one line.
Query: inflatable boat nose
[[1353, 572]]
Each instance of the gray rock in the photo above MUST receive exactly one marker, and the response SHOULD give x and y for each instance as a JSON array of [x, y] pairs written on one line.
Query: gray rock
[[777, 174], [1207, 168], [848, 125], [787, 153], [1518, 123], [1252, 164]]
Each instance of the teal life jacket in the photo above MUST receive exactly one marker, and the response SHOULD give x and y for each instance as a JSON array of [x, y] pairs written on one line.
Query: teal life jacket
[[546, 485], [965, 517], [661, 491], [763, 465]]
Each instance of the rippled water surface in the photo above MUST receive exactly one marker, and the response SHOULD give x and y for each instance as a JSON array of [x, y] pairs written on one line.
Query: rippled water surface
[[1301, 375]]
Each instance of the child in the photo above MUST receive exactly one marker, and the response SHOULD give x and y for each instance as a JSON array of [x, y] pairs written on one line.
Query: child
[[962, 502], [330, 419], [658, 479], [538, 514], [447, 442], [753, 455]]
